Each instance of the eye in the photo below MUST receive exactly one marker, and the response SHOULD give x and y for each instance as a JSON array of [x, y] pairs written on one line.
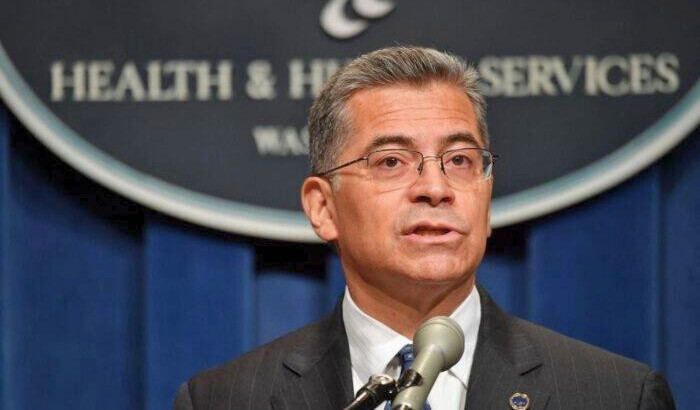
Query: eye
[[390, 162], [460, 160]]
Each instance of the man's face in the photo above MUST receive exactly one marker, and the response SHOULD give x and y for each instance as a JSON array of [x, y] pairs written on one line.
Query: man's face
[[429, 231]]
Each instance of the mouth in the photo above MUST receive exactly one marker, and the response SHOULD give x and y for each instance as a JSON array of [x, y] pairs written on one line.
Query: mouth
[[430, 233]]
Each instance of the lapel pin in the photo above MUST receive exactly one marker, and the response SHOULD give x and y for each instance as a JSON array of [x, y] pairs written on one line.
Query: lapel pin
[[519, 401]]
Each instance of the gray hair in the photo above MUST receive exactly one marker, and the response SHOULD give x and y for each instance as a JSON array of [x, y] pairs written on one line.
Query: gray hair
[[329, 122]]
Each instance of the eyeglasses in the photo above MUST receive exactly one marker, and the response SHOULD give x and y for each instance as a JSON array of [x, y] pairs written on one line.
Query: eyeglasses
[[396, 168]]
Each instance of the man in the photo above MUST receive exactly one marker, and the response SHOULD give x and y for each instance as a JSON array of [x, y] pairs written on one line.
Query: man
[[401, 186]]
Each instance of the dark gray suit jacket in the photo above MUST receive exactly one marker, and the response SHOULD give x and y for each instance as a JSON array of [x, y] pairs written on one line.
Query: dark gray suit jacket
[[310, 369]]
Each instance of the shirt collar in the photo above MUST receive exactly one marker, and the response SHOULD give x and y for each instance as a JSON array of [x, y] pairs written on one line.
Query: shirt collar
[[373, 344]]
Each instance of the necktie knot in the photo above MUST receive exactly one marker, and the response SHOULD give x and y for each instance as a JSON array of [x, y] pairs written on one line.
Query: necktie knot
[[406, 357]]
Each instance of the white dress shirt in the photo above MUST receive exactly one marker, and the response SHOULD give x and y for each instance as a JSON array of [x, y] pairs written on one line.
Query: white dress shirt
[[373, 348]]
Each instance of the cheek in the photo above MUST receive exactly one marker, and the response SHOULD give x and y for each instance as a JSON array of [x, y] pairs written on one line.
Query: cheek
[[362, 214], [475, 207], [368, 223], [482, 218], [375, 222]]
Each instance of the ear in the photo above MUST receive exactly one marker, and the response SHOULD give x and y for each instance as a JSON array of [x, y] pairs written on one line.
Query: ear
[[317, 201]]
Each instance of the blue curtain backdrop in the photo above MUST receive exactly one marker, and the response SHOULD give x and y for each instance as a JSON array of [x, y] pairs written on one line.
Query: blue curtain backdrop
[[108, 305]]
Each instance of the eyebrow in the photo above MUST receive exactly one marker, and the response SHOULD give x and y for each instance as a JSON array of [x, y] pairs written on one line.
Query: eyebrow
[[381, 141], [408, 142], [465, 137]]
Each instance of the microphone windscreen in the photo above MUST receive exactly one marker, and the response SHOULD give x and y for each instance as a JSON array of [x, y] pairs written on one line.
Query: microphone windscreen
[[444, 333]]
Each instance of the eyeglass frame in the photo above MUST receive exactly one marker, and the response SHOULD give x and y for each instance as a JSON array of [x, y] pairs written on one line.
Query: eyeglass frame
[[494, 157]]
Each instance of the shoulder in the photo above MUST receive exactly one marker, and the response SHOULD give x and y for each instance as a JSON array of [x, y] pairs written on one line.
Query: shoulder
[[247, 381], [262, 358], [571, 373], [557, 348], [522, 342], [570, 364]]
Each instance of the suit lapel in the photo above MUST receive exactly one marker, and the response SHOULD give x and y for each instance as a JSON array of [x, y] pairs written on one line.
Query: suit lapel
[[320, 367], [503, 360]]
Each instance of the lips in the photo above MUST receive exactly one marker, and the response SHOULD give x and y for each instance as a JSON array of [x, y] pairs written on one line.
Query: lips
[[432, 235], [426, 228], [427, 231]]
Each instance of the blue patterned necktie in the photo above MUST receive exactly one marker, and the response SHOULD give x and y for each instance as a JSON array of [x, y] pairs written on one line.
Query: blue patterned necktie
[[406, 357]]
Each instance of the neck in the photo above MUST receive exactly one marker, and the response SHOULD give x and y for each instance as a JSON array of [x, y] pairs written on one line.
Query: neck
[[405, 306]]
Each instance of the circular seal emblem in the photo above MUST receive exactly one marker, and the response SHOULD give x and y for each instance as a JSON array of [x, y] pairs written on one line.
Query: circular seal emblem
[[519, 401], [199, 110]]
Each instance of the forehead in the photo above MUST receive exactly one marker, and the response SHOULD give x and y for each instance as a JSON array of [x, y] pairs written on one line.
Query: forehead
[[427, 115]]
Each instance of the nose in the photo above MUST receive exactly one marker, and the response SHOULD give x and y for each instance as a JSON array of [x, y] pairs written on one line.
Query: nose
[[431, 186]]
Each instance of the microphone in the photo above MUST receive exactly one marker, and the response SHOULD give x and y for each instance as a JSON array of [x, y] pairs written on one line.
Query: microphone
[[438, 344]]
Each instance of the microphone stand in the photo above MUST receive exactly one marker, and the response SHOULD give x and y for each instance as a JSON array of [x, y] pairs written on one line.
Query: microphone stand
[[378, 389], [381, 388], [408, 379]]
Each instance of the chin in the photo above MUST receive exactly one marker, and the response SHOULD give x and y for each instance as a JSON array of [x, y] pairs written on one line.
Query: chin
[[437, 271]]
